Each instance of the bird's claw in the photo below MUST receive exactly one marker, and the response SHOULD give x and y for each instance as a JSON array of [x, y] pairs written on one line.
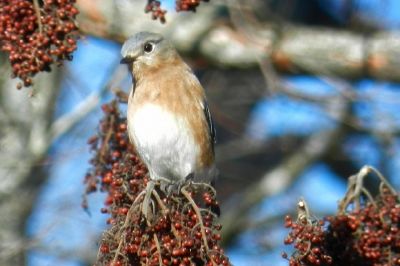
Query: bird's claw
[[146, 201], [172, 187]]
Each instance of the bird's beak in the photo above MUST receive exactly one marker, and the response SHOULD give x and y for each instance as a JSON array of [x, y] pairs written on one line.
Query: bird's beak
[[127, 60]]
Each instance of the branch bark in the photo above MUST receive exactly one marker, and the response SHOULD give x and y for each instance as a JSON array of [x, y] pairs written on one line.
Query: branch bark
[[290, 48]]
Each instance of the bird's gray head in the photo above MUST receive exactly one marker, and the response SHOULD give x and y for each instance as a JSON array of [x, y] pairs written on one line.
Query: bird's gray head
[[146, 49]]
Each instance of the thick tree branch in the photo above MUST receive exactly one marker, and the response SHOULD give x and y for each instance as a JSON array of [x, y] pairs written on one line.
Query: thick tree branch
[[291, 49]]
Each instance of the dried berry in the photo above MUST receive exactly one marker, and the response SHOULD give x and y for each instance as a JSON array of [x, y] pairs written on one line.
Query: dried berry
[[35, 43], [188, 5], [154, 7], [365, 231], [183, 229], [307, 237]]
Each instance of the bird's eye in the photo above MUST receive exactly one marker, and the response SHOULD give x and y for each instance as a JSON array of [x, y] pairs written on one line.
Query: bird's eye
[[148, 47]]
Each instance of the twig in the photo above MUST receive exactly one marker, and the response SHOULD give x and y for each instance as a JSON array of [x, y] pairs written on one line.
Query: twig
[[158, 249], [348, 197], [122, 95], [138, 196], [356, 187], [210, 187], [104, 148], [66, 122], [196, 210], [369, 196], [382, 178], [278, 179], [121, 232], [164, 208], [303, 212], [37, 11], [146, 201]]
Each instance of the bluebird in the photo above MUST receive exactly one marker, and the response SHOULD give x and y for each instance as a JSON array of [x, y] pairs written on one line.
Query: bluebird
[[169, 121]]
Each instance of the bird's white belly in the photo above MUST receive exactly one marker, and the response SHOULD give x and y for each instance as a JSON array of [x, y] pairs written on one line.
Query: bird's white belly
[[164, 142]]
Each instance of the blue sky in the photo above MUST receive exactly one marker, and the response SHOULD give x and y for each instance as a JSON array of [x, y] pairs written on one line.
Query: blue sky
[[383, 12]]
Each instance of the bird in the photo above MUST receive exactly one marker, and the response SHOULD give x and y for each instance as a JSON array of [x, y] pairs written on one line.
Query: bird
[[168, 118]]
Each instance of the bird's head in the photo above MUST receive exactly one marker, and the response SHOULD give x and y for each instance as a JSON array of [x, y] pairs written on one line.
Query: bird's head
[[147, 51]]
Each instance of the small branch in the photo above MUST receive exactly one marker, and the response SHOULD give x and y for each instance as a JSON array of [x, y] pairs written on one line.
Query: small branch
[[121, 232], [382, 179], [37, 11], [165, 210], [349, 196], [66, 122], [121, 95], [356, 187], [197, 211], [303, 212], [104, 148], [279, 178], [158, 249], [369, 196], [147, 199]]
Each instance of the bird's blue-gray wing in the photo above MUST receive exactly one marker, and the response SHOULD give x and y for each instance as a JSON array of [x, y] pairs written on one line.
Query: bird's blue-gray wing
[[210, 123]]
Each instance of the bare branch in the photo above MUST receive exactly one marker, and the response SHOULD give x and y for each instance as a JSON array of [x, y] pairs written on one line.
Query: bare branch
[[289, 48], [282, 176], [65, 123]]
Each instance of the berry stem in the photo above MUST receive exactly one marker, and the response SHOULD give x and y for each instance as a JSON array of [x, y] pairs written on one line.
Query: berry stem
[[197, 211], [104, 148], [165, 210], [158, 249], [356, 187], [303, 213], [37, 11], [122, 233], [382, 178]]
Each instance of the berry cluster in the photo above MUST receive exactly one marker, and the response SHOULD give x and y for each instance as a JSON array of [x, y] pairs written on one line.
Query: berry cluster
[[306, 237], [188, 5], [154, 7], [182, 227], [367, 234], [157, 12], [37, 34]]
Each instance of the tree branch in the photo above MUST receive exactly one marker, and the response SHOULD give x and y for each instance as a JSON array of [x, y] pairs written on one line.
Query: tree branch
[[290, 48], [66, 122], [282, 176]]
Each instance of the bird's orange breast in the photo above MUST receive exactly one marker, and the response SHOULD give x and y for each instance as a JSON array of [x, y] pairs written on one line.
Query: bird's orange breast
[[177, 90]]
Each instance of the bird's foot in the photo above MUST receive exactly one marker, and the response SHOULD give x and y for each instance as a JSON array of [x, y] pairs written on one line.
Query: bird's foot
[[171, 187], [147, 200]]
